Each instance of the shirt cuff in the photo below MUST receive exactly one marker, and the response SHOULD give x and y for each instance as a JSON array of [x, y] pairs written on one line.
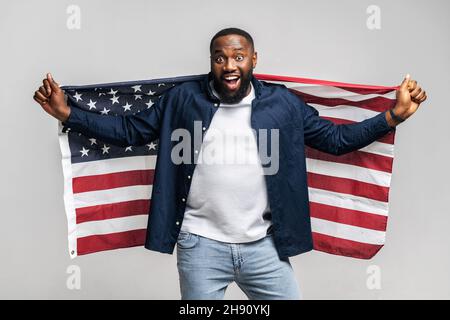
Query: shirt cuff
[[384, 125], [73, 119]]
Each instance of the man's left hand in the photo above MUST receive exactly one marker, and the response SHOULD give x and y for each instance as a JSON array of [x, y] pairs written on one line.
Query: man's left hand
[[409, 97]]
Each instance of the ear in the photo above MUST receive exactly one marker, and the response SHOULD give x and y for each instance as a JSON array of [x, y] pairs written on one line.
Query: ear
[[254, 59]]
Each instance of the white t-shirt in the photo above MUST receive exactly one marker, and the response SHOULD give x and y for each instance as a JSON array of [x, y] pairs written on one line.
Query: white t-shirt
[[228, 195]]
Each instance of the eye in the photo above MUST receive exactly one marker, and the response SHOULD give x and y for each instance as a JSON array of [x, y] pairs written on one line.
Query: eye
[[218, 59], [239, 58]]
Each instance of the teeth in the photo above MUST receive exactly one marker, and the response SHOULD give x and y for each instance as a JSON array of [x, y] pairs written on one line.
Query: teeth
[[231, 78]]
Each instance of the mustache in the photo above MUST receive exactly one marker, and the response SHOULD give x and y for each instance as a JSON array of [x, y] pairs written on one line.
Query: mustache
[[243, 76], [230, 74], [222, 90]]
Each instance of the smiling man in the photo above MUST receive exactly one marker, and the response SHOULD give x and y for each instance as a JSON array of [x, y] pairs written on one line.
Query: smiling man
[[233, 59], [231, 222]]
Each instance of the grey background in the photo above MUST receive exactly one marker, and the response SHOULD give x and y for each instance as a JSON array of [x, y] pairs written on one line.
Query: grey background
[[128, 40]]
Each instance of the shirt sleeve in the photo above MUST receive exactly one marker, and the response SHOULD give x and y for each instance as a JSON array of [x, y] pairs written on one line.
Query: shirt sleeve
[[328, 137], [120, 130]]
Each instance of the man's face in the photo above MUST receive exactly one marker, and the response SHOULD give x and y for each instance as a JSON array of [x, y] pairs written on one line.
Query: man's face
[[232, 61]]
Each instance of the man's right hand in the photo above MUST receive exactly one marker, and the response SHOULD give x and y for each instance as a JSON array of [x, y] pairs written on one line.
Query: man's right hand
[[52, 100]]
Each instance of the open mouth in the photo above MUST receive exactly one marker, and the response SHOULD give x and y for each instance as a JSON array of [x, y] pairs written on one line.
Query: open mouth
[[231, 82]]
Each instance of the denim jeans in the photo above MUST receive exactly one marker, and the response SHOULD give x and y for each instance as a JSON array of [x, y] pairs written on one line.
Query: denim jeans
[[206, 267]]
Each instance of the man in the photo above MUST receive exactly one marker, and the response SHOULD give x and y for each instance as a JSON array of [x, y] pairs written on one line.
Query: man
[[230, 221]]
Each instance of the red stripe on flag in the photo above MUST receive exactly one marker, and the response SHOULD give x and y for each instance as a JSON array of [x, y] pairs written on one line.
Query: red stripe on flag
[[344, 247], [112, 180], [111, 241], [112, 210], [348, 216], [343, 85], [378, 104], [355, 158], [348, 186], [368, 90], [388, 138]]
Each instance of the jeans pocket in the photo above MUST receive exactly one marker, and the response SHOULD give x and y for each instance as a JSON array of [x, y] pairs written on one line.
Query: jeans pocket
[[186, 240]]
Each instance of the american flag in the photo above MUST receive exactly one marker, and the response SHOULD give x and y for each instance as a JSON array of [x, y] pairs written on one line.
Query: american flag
[[107, 189]]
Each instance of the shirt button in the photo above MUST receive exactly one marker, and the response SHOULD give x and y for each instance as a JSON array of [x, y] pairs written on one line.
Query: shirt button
[[204, 128], [183, 199], [189, 177], [177, 223], [196, 151], [216, 104]]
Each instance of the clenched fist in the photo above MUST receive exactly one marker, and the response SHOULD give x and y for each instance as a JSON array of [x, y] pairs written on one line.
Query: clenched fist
[[409, 97], [52, 100]]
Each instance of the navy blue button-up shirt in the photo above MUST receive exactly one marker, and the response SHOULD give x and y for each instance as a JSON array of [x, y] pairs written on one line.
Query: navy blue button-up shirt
[[274, 107]]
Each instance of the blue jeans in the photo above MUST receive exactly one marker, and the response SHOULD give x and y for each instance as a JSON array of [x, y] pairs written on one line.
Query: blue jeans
[[206, 267]]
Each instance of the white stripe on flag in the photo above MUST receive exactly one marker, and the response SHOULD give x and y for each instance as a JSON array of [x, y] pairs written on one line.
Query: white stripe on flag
[[348, 201], [95, 198], [348, 171], [113, 165], [112, 225], [383, 149], [348, 232], [344, 112], [334, 92]]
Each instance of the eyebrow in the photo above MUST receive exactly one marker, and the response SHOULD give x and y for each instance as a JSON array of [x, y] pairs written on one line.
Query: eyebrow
[[236, 49]]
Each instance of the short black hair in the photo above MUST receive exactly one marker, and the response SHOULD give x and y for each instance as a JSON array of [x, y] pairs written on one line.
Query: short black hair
[[228, 31]]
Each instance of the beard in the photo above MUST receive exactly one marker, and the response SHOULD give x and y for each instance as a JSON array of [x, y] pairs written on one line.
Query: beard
[[233, 97]]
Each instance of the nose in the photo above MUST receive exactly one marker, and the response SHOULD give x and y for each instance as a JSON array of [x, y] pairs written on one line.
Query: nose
[[229, 65]]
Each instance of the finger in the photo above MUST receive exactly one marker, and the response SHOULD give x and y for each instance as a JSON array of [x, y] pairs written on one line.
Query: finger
[[405, 82], [412, 85], [40, 96], [420, 96], [416, 92], [43, 91], [424, 97], [52, 82], [47, 87], [37, 99]]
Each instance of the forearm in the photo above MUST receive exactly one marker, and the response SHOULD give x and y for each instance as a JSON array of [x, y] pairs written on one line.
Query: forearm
[[391, 121], [118, 130], [328, 137], [350, 137]]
